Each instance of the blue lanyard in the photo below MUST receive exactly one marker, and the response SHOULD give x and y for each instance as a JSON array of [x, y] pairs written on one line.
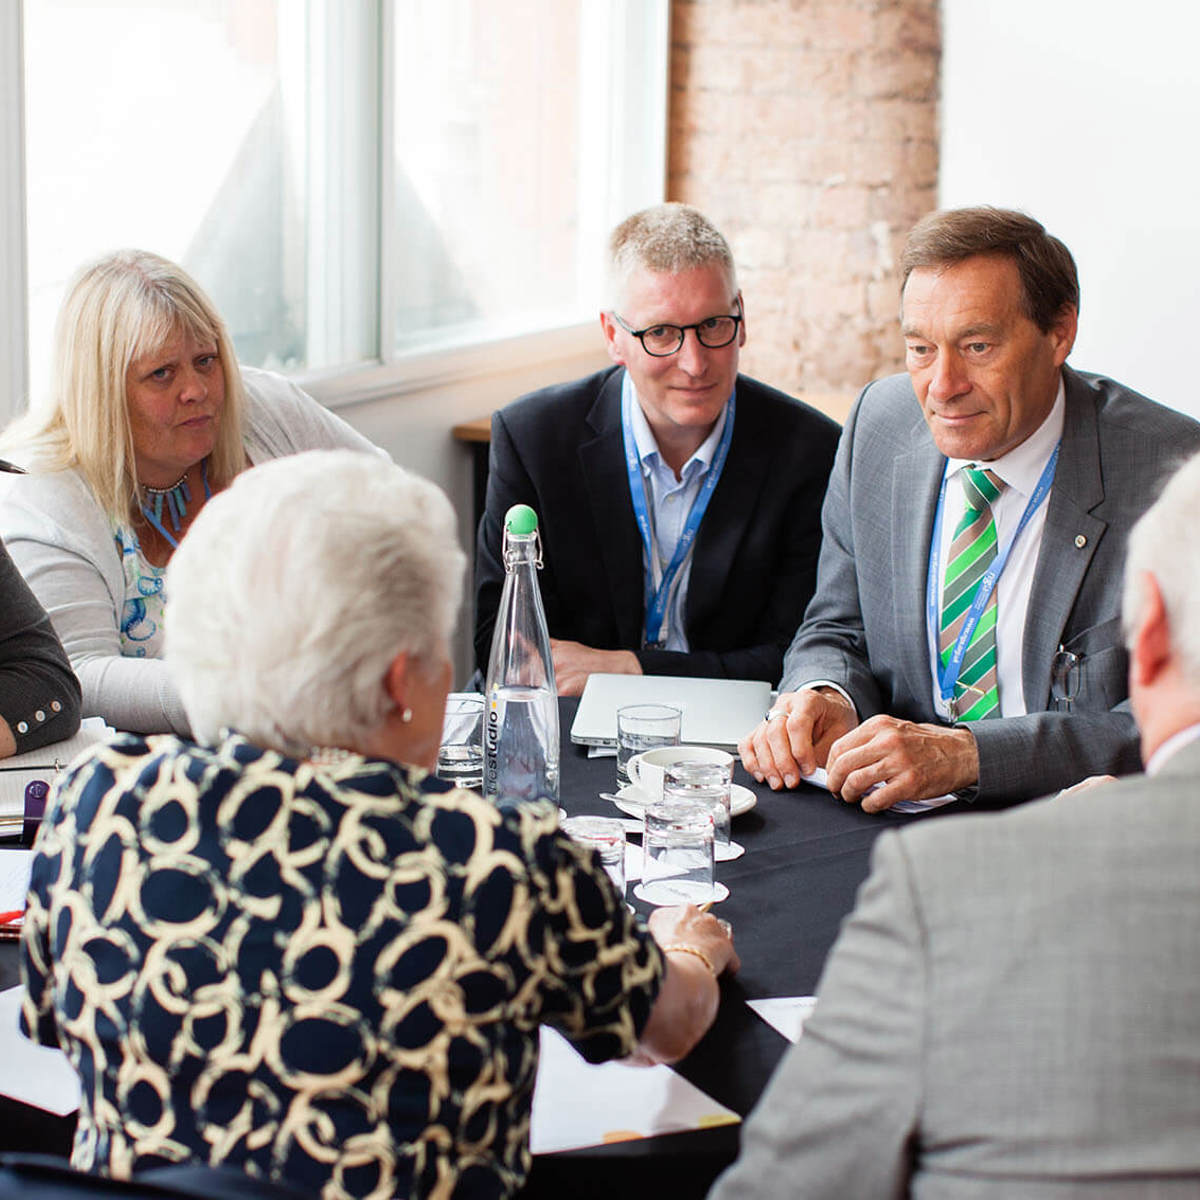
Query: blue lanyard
[[658, 594], [947, 676]]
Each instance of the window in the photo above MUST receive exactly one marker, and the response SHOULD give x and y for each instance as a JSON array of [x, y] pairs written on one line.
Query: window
[[355, 184]]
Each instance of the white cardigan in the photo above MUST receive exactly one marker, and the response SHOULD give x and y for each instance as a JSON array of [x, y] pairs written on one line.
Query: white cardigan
[[62, 541]]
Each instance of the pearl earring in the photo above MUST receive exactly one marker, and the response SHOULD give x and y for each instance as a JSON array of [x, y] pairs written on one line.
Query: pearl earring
[[406, 715]]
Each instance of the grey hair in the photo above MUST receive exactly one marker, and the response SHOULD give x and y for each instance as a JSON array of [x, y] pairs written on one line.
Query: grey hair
[[1163, 544], [295, 589], [666, 239]]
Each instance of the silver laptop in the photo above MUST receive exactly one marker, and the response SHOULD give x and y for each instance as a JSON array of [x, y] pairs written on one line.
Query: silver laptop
[[716, 712]]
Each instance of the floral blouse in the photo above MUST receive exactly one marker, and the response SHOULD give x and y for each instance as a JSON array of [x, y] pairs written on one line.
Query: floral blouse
[[332, 976], [142, 611]]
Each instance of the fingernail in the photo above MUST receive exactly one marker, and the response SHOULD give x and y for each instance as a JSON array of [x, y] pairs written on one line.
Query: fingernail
[[790, 780], [774, 781], [758, 776]]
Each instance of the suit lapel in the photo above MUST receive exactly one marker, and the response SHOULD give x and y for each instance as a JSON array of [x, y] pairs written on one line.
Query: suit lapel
[[1062, 561], [916, 478], [602, 465]]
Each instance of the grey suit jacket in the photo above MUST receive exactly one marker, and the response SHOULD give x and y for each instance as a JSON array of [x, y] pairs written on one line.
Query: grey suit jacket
[[865, 627], [1011, 1010]]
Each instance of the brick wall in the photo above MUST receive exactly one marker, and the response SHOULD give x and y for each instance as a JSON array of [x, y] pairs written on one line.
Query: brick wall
[[807, 130]]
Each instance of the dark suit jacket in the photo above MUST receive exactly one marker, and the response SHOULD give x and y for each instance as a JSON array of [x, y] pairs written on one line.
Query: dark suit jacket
[[754, 563], [1009, 1012], [865, 628]]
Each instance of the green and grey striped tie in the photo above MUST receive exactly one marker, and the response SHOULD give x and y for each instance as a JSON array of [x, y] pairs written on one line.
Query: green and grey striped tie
[[977, 692]]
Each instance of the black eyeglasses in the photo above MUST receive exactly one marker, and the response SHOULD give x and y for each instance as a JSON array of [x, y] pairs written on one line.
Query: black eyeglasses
[[661, 341]]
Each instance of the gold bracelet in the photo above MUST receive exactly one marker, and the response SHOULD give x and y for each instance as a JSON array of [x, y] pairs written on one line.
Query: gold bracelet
[[679, 948]]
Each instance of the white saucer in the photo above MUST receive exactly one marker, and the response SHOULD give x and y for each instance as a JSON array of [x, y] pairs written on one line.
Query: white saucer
[[632, 800], [720, 892]]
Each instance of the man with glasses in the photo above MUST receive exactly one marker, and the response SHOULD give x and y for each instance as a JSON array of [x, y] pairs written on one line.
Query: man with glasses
[[964, 641], [679, 501]]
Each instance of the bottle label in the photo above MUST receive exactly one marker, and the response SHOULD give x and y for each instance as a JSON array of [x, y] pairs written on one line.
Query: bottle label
[[491, 742]]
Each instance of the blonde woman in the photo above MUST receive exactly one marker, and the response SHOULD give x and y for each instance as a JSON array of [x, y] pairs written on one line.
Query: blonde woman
[[148, 416]]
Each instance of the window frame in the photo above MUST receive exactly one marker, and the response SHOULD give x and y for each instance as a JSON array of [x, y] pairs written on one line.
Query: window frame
[[390, 373]]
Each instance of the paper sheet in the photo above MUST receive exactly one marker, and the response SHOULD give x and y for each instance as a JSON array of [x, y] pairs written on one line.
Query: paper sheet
[[787, 1014], [818, 779], [22, 769], [15, 865], [33, 1074], [576, 1104]]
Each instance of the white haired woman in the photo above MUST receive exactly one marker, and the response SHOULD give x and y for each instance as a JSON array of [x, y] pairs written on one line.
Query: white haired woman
[[291, 947], [148, 416]]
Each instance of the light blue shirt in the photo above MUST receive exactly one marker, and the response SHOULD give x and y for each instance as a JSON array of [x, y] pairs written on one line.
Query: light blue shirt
[[669, 500]]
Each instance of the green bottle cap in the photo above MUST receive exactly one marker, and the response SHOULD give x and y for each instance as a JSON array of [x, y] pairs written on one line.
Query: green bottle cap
[[521, 520]]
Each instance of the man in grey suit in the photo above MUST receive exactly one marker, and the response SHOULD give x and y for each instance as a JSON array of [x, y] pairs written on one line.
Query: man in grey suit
[[1011, 1009], [963, 641]]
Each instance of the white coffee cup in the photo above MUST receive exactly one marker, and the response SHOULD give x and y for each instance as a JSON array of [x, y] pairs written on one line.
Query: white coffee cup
[[646, 769]]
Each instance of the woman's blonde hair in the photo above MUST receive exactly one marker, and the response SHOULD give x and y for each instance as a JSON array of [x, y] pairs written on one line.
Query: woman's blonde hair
[[124, 306]]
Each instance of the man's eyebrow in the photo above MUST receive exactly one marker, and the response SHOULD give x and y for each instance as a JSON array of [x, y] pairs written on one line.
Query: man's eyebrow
[[980, 330]]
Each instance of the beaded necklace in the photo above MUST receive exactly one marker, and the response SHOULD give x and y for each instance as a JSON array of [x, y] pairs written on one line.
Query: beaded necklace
[[178, 496]]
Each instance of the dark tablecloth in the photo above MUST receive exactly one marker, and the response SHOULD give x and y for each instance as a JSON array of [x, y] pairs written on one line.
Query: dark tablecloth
[[806, 854]]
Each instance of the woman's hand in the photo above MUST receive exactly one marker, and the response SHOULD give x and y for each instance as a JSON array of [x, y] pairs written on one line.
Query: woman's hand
[[698, 950]]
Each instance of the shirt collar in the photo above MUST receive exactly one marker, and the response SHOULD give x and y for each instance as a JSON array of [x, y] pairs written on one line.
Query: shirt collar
[[1171, 747], [1022, 466], [647, 447]]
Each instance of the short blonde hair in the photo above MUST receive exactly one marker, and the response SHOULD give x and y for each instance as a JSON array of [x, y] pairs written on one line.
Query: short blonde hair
[[667, 240], [122, 307]]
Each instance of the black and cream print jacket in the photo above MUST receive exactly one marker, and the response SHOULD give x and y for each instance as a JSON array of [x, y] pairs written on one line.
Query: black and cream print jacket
[[331, 976]]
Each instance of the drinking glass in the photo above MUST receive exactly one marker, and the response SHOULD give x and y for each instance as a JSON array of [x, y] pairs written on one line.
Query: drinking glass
[[643, 727], [607, 837], [708, 784], [677, 845], [460, 756]]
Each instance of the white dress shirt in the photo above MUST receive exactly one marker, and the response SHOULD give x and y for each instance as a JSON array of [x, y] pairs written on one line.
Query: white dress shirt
[[1171, 747], [668, 502], [1020, 469]]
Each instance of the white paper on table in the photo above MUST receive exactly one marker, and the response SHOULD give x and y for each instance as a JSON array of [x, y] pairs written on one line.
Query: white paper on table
[[33, 1074], [15, 866], [786, 1014], [818, 779], [22, 769], [577, 1104], [633, 862]]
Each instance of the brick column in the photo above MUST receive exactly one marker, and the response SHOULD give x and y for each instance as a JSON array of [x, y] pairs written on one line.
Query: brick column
[[807, 130]]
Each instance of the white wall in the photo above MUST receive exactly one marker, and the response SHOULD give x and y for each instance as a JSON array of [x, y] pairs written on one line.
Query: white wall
[[414, 427], [1084, 113]]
